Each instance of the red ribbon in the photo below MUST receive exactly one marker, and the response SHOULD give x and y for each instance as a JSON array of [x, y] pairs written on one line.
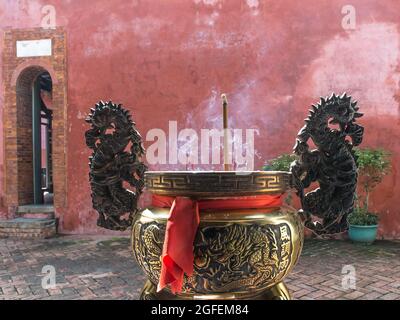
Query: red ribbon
[[183, 221]]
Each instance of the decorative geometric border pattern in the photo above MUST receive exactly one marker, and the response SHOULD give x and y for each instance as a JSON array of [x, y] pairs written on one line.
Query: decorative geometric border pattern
[[217, 183]]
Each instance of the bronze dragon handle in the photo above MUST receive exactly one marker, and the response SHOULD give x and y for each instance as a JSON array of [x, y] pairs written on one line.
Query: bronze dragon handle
[[116, 158], [333, 164]]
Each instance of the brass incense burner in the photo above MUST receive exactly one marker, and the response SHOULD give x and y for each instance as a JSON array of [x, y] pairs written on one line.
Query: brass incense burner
[[241, 253]]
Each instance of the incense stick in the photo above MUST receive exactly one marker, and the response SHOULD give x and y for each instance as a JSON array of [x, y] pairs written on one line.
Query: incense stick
[[226, 136]]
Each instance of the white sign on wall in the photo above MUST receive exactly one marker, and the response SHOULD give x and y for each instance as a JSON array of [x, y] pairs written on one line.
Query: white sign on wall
[[34, 48]]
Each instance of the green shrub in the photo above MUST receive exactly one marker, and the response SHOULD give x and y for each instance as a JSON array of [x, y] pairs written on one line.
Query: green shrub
[[377, 159], [281, 163], [361, 217], [373, 165]]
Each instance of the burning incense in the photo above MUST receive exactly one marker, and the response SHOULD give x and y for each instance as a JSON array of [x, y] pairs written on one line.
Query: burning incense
[[226, 136]]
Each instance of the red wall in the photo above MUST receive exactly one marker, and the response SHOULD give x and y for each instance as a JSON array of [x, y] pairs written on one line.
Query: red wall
[[170, 60]]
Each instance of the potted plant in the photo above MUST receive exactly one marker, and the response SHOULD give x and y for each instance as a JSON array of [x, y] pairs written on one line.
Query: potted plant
[[281, 163], [373, 165]]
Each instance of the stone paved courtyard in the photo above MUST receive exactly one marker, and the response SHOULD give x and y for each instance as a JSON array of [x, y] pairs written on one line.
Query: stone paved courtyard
[[103, 268]]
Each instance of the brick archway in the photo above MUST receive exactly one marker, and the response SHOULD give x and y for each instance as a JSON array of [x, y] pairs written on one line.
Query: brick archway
[[27, 64], [19, 74]]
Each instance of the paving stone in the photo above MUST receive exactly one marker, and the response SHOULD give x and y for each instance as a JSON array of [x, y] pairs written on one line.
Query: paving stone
[[332, 295], [317, 294], [390, 296], [371, 296], [301, 293], [354, 295]]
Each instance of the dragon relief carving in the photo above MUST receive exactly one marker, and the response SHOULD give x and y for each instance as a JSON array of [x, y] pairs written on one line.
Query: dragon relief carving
[[116, 158], [227, 258], [332, 164], [147, 242]]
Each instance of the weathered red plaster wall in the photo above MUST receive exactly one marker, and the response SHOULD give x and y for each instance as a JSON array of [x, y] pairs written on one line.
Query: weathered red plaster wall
[[170, 60]]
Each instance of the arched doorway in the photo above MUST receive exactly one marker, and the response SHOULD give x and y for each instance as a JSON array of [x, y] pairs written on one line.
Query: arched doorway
[[23, 78], [34, 136]]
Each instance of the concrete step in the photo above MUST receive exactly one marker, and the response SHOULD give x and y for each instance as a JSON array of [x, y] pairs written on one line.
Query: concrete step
[[36, 211], [27, 228], [32, 208]]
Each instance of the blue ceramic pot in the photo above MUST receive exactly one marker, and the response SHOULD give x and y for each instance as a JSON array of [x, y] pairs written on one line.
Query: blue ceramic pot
[[366, 234]]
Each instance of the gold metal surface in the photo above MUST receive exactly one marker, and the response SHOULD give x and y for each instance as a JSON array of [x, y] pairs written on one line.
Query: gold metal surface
[[276, 292], [217, 183], [238, 254]]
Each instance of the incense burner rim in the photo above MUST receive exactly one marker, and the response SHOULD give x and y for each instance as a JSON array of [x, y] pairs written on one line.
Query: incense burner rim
[[200, 172], [217, 183]]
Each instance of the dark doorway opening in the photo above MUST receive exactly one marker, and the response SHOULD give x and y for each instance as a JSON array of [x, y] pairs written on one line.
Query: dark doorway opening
[[42, 116]]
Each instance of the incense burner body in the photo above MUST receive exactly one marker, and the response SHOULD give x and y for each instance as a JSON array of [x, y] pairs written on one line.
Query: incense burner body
[[238, 254]]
